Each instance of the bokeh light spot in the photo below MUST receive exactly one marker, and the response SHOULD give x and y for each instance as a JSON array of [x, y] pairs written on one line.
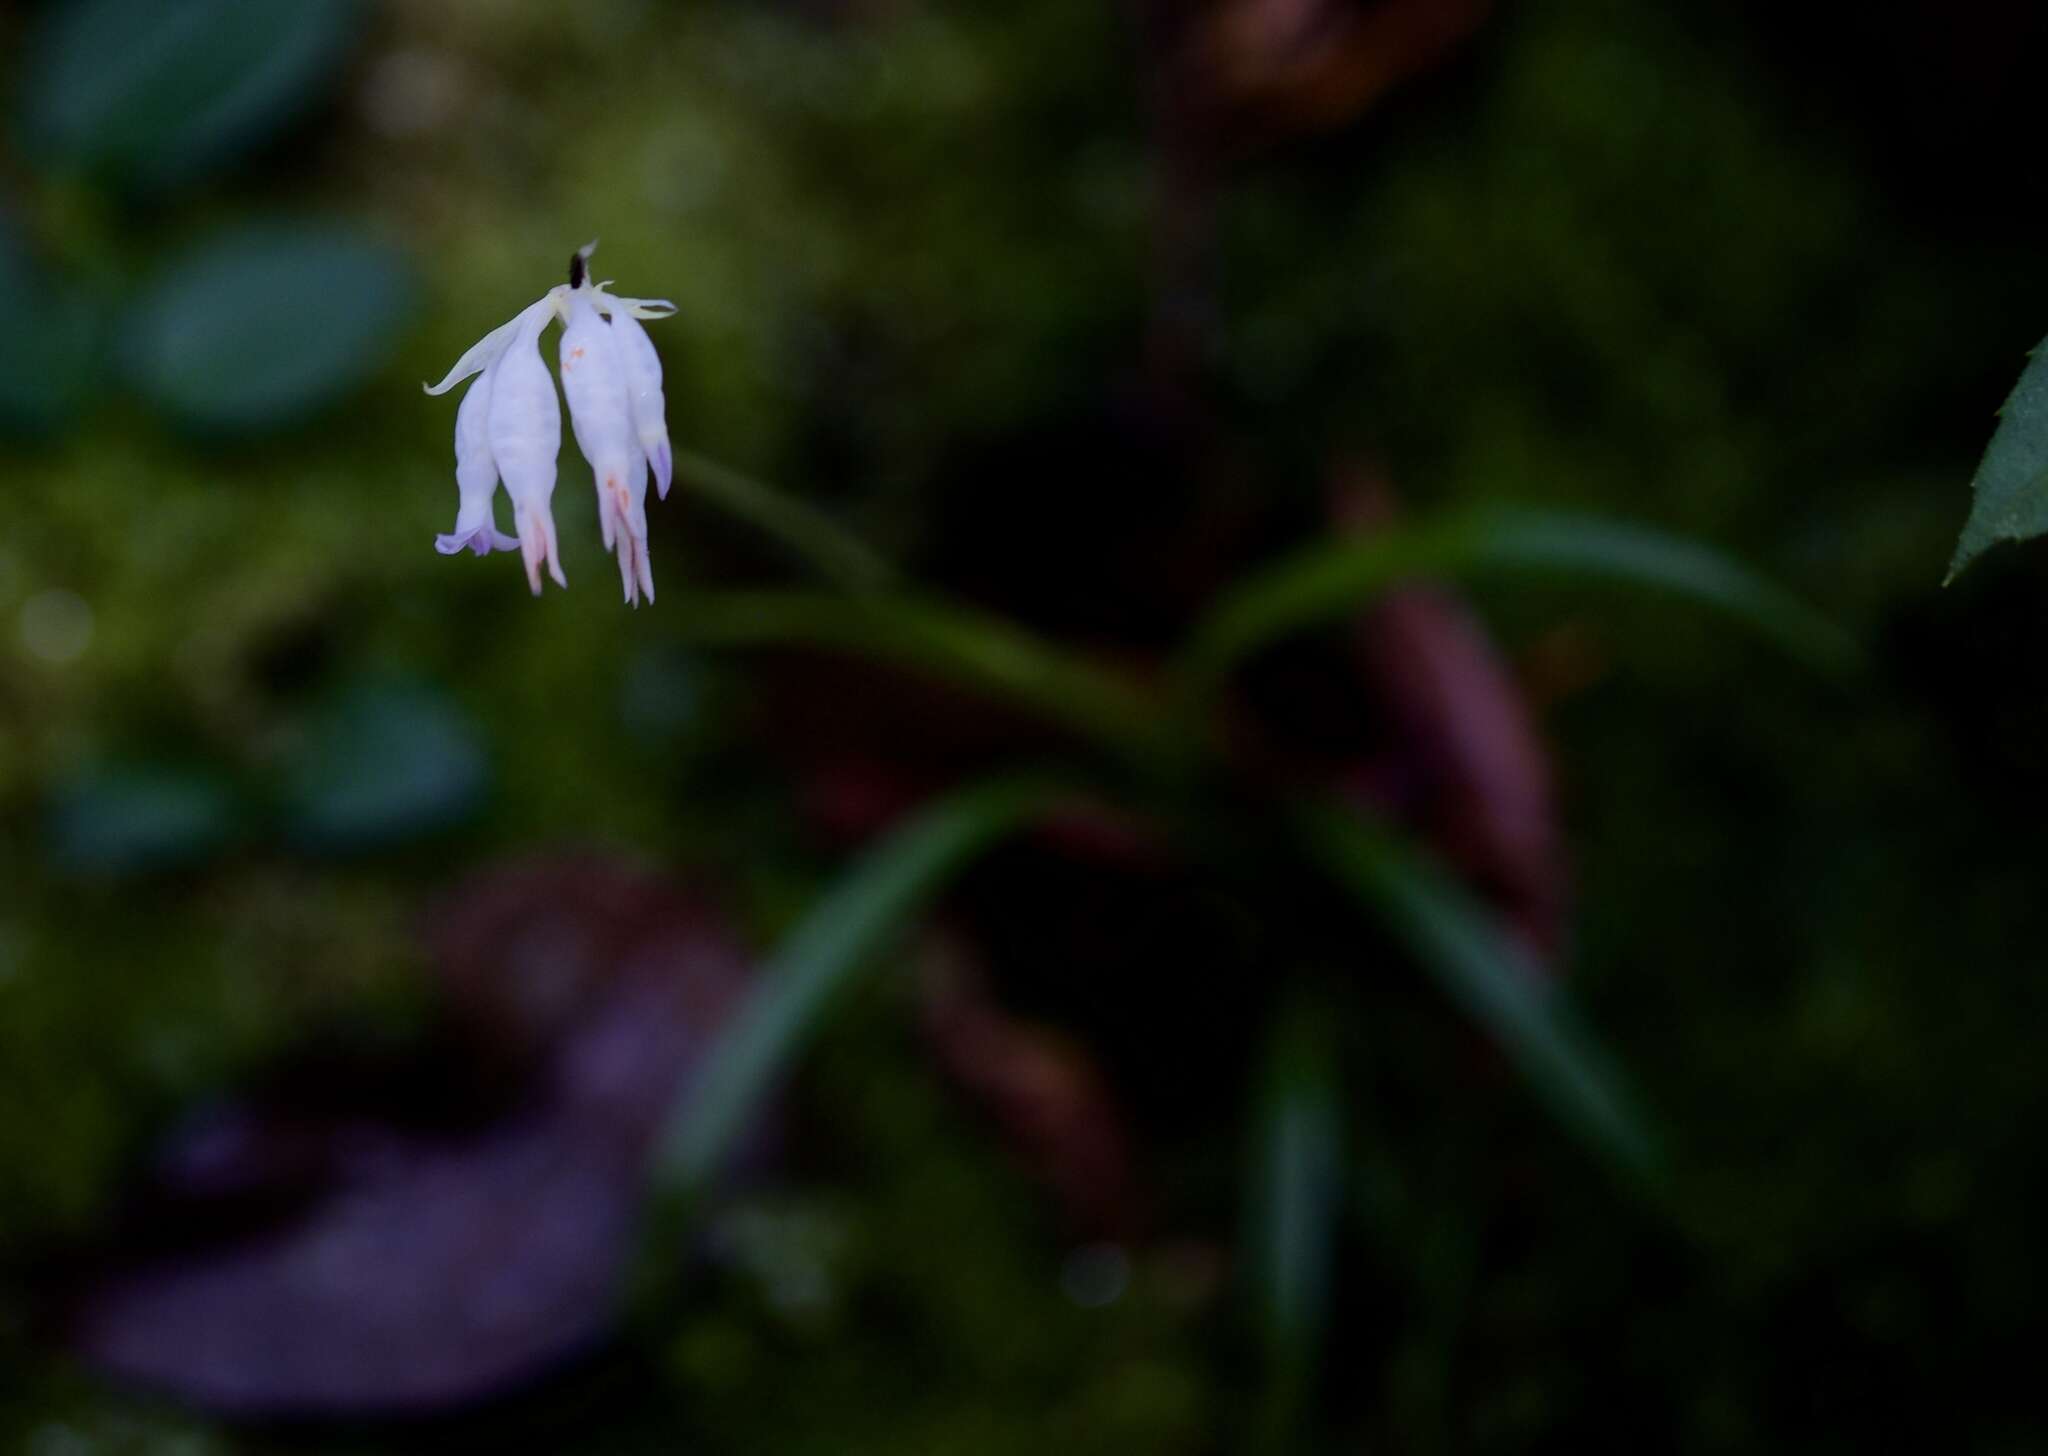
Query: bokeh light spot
[[56, 625]]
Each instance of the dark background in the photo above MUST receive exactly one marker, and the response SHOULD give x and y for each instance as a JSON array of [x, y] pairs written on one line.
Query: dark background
[[1076, 311]]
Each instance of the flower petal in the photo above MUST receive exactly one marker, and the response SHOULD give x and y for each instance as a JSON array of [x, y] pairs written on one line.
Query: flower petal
[[476, 473], [539, 544], [483, 541], [525, 431], [480, 356], [646, 308], [595, 381], [643, 386]]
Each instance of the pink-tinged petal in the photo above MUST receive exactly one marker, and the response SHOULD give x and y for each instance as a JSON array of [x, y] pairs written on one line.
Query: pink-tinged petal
[[525, 428], [538, 546], [641, 366], [555, 560], [636, 575], [664, 468], [627, 580]]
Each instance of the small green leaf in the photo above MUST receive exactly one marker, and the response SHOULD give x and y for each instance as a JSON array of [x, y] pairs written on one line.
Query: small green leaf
[[1456, 941], [1297, 1186], [384, 762], [819, 959], [950, 642], [1326, 581], [263, 326], [51, 353], [2009, 496], [125, 819], [152, 94]]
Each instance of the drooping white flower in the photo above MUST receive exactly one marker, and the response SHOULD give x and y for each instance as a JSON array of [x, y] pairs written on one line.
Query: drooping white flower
[[594, 379], [509, 426]]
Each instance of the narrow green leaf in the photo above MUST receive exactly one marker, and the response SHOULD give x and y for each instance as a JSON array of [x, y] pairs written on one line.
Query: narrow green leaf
[[808, 533], [2009, 495], [820, 958], [152, 94], [263, 326], [950, 642], [1297, 1185], [1456, 941], [1326, 581]]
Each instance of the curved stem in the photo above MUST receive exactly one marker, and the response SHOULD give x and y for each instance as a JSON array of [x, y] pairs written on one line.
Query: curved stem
[[809, 533]]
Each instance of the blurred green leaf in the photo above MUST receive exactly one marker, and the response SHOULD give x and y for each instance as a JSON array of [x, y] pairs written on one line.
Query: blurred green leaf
[[385, 762], [1325, 582], [2009, 494], [126, 819], [152, 94], [1459, 943], [264, 325], [808, 533], [52, 329], [819, 959], [1297, 1187], [950, 642], [662, 697]]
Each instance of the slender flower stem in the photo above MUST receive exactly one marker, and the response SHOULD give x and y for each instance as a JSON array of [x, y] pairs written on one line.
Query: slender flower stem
[[807, 532]]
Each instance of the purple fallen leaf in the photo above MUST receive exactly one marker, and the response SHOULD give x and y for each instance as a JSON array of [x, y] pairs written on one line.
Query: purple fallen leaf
[[437, 1269]]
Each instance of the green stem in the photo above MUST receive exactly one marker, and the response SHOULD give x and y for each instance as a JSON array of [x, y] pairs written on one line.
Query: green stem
[[809, 533], [951, 642], [1325, 582]]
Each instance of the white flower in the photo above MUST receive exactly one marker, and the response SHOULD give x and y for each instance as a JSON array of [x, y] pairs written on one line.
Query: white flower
[[509, 426]]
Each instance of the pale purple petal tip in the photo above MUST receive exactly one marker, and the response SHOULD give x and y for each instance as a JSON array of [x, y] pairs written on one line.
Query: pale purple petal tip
[[664, 467], [483, 541]]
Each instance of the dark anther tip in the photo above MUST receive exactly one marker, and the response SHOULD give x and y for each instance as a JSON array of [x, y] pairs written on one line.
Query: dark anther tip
[[576, 273]]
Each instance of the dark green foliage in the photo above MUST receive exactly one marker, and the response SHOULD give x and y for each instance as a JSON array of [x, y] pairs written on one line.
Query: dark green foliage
[[1293, 1197], [2010, 492], [259, 328], [382, 763], [53, 328], [1329, 580], [153, 94], [125, 819], [1460, 945], [817, 961]]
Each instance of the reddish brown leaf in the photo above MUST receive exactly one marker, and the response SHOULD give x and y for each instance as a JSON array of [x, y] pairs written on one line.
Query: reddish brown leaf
[[1473, 772], [1291, 66], [1042, 1091]]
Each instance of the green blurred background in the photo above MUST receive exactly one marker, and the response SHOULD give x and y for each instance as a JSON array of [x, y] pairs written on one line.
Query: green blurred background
[[1006, 291]]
